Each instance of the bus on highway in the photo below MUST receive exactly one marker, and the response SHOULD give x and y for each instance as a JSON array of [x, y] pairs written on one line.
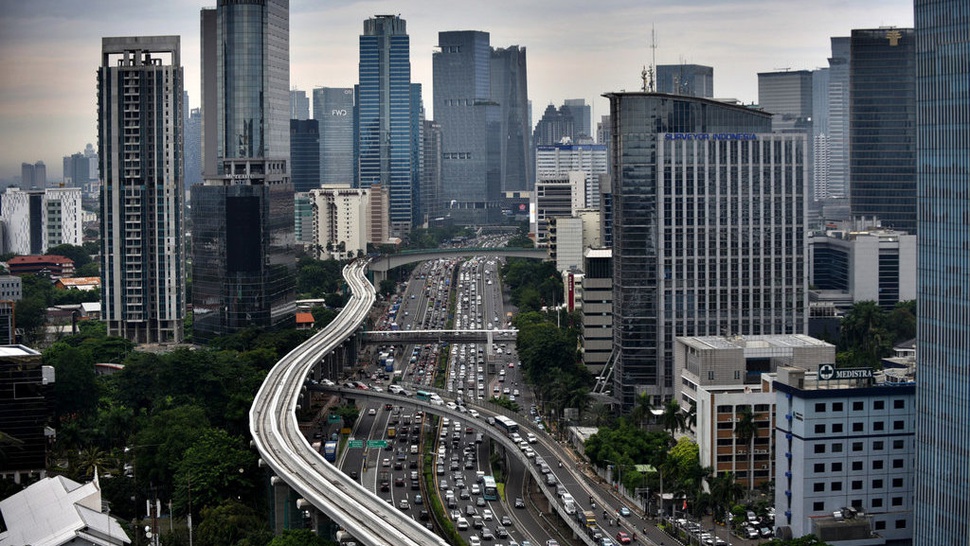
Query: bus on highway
[[489, 490], [506, 424], [330, 451], [423, 395]]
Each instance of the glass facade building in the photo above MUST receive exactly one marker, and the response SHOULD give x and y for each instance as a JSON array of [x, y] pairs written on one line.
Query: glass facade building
[[333, 108], [943, 193], [142, 191], [708, 231], [384, 121], [304, 154], [882, 133], [695, 80], [510, 89]]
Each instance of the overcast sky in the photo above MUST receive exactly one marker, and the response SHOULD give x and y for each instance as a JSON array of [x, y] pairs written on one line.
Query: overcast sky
[[50, 49]]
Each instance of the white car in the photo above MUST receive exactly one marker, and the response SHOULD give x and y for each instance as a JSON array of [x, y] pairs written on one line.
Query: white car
[[487, 515]]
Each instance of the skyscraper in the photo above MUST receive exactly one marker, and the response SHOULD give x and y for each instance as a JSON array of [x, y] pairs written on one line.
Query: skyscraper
[[243, 263], [510, 89], [554, 125], [709, 231], [192, 131], [942, 164], [695, 80], [333, 108], [33, 175], [386, 147], [788, 96], [837, 131], [299, 105], [142, 192], [882, 151], [582, 116], [304, 154]]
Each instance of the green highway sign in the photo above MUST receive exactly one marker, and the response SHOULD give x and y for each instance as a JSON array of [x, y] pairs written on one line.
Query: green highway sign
[[355, 443], [376, 443]]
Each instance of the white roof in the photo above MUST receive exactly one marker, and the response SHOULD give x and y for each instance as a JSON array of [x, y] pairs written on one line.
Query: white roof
[[57, 511]]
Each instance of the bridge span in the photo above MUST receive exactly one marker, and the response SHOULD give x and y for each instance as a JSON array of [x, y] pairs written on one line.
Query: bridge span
[[384, 263]]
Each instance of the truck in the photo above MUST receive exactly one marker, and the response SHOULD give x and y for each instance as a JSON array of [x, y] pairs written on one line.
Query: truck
[[587, 518], [389, 365]]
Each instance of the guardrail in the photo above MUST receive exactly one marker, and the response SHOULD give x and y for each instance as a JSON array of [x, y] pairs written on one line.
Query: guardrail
[[282, 447]]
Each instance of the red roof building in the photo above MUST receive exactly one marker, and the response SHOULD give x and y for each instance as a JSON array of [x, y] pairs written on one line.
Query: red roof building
[[48, 265], [304, 321]]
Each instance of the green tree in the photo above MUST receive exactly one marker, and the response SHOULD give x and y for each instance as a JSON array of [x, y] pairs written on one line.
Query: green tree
[[216, 468], [232, 524], [349, 413], [76, 389], [298, 537], [78, 254], [673, 418], [807, 540], [725, 491], [31, 316], [161, 444], [864, 334], [746, 430]]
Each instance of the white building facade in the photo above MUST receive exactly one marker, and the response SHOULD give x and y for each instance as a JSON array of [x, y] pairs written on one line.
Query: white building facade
[[36, 220], [556, 195], [560, 159], [341, 221]]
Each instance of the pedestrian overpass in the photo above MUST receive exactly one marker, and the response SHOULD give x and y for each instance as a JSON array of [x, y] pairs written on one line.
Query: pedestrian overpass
[[380, 265]]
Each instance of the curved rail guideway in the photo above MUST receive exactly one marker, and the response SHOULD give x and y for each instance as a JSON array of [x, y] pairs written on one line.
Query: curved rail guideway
[[276, 434]]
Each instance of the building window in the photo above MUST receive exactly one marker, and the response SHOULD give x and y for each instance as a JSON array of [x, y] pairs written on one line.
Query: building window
[[819, 448], [836, 427], [818, 506], [818, 487], [897, 483], [897, 501], [899, 404], [900, 524], [820, 429], [819, 467], [877, 484], [837, 448], [897, 463], [856, 485], [877, 464], [820, 407], [880, 525], [877, 502], [879, 404], [836, 486], [898, 425], [878, 445], [836, 467], [899, 444], [858, 406], [856, 465], [878, 425], [856, 446], [837, 406], [857, 427]]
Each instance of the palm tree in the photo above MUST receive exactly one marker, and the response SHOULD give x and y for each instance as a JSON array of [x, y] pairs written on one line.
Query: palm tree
[[672, 419], [725, 490], [641, 410], [690, 418], [746, 430]]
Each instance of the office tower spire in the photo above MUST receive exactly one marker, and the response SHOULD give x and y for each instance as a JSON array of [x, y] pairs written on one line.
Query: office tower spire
[[142, 193]]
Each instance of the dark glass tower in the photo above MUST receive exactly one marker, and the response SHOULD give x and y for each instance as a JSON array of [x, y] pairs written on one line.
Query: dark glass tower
[[695, 80], [304, 154], [510, 89], [942, 513], [243, 266], [386, 146], [708, 231], [882, 150]]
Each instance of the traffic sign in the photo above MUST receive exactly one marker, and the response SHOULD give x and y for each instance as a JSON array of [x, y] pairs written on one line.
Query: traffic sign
[[376, 443], [355, 443]]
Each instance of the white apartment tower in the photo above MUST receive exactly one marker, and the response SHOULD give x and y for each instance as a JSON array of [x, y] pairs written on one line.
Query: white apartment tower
[[36, 220], [142, 192], [341, 221], [560, 159]]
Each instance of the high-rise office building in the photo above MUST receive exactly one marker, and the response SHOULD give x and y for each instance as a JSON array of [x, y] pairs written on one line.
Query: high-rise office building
[[942, 397], [77, 170], [582, 117], [36, 220], [33, 175], [510, 91], [142, 192], [560, 159], [26, 410], [469, 121], [788, 97], [431, 182], [882, 150], [385, 120], [694, 80], [709, 231], [299, 105], [243, 264], [836, 128], [304, 154], [554, 125], [333, 108], [192, 137]]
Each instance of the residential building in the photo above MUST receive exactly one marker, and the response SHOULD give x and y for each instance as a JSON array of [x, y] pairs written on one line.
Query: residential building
[[36, 220], [845, 446], [378, 215], [560, 159], [33, 175], [882, 142], [26, 412], [341, 225], [387, 119], [942, 515], [243, 265], [862, 262], [59, 512], [556, 195], [77, 171], [51, 266], [11, 288], [724, 378], [695, 80], [566, 242], [85, 284], [304, 154], [143, 194], [302, 219], [707, 255], [597, 334], [333, 108]]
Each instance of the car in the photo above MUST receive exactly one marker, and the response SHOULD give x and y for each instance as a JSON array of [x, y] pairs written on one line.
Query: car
[[752, 517], [552, 542], [476, 490], [519, 503], [766, 532], [623, 538], [501, 532], [461, 524], [474, 541], [624, 511], [404, 504], [479, 501], [487, 515], [470, 510], [752, 532], [506, 521], [486, 534], [386, 462], [455, 514]]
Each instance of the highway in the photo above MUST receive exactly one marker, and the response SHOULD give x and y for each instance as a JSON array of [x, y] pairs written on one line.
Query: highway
[[282, 447]]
